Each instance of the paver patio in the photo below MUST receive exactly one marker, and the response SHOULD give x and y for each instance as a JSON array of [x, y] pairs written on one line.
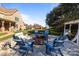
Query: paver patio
[[69, 49]]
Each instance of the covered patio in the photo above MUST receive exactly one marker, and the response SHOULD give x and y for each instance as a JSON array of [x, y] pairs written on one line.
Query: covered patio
[[6, 25], [72, 27]]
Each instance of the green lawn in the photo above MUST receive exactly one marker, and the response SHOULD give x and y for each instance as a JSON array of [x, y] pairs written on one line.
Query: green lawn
[[9, 36], [31, 32], [5, 38], [2, 33]]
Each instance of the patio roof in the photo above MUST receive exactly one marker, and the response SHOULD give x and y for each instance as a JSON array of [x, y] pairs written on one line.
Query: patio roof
[[72, 22], [7, 20]]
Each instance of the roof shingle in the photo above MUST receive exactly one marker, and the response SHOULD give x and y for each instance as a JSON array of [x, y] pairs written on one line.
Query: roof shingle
[[6, 11]]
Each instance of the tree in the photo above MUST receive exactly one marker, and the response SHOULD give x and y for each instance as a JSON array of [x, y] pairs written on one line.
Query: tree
[[63, 13]]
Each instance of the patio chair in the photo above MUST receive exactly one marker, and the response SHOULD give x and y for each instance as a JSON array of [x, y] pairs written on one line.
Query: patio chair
[[48, 48], [24, 47], [57, 44], [64, 37], [21, 50], [29, 45], [18, 40], [45, 34]]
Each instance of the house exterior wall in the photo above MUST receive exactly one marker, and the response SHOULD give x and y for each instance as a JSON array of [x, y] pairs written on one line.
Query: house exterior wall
[[20, 24]]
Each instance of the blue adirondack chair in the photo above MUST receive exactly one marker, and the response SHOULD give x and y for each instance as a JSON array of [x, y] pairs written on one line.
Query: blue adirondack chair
[[18, 41], [28, 47], [48, 48], [24, 47], [45, 34], [57, 44]]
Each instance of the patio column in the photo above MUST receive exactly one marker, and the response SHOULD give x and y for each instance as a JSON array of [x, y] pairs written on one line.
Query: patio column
[[9, 26], [70, 28], [2, 27], [78, 35], [64, 28], [16, 26]]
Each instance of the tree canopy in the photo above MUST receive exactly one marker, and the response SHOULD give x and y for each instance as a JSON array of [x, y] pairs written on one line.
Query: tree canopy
[[63, 13]]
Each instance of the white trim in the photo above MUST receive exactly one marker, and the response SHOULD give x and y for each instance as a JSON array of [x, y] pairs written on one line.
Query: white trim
[[72, 22], [78, 35]]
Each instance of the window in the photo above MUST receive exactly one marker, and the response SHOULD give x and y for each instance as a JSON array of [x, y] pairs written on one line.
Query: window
[[16, 19]]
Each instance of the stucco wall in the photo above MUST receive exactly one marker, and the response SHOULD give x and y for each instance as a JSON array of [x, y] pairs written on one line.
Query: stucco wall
[[12, 18]]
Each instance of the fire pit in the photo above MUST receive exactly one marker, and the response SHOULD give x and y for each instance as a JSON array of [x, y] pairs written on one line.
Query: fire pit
[[39, 40]]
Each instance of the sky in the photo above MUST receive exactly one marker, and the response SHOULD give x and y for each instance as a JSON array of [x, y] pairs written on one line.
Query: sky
[[32, 13]]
